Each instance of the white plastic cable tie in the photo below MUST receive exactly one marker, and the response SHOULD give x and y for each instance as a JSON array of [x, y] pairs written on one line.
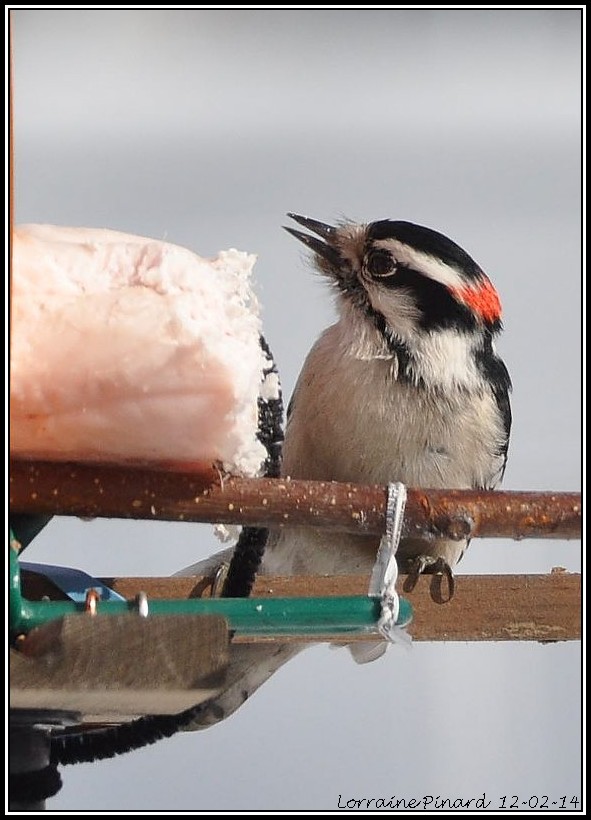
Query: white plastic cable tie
[[385, 571]]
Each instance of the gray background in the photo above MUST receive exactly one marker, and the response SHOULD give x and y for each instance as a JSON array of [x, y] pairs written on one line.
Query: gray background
[[203, 127]]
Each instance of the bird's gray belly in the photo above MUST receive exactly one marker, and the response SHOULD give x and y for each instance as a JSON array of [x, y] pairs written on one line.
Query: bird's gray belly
[[399, 435], [403, 434]]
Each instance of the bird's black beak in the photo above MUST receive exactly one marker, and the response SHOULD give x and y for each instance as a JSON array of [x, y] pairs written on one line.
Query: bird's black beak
[[327, 250]]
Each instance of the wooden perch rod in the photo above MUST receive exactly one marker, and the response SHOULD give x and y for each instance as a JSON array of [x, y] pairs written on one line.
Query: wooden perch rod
[[124, 492]]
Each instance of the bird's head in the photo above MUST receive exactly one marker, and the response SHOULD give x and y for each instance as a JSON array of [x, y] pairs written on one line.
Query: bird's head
[[408, 280]]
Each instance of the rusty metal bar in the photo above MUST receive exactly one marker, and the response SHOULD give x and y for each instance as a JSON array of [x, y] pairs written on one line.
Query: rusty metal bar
[[129, 492]]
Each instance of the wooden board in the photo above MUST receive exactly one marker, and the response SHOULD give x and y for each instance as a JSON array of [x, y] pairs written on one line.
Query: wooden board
[[484, 607], [120, 666]]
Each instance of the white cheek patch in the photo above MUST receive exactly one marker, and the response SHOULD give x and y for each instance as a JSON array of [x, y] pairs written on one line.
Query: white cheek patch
[[400, 310]]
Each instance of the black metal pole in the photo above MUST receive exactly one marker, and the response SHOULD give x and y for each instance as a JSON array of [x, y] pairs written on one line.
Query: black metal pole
[[33, 777]]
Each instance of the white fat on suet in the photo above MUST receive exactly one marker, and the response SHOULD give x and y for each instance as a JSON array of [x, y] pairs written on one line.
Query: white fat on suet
[[270, 387]]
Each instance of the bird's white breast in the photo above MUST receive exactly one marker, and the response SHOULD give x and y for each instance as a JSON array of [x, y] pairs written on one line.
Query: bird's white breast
[[353, 420]]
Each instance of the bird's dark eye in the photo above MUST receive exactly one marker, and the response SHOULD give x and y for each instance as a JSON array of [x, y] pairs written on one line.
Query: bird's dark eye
[[380, 263]]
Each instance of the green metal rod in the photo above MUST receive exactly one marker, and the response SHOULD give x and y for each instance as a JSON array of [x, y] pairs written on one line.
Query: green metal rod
[[247, 616], [18, 611]]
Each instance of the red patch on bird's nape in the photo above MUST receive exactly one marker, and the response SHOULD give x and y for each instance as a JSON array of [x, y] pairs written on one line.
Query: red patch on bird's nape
[[482, 298]]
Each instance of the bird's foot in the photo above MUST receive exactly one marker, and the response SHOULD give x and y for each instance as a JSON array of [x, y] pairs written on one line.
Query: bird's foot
[[219, 579], [439, 568]]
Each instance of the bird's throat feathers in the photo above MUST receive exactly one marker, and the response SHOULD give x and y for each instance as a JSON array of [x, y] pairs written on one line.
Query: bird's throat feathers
[[446, 359]]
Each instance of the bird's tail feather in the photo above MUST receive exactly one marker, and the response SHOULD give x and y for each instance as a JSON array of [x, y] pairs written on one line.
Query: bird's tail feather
[[250, 666]]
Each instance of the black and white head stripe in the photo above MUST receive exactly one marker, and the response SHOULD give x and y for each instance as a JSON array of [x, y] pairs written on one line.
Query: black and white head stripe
[[427, 243]]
